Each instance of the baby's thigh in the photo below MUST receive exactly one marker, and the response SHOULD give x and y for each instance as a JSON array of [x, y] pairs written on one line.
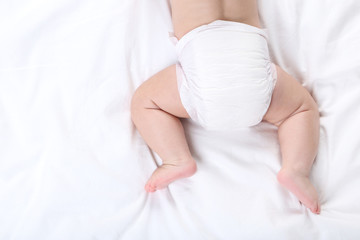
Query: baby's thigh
[[289, 97], [161, 92]]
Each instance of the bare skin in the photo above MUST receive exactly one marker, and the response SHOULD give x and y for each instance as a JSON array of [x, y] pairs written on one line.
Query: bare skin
[[156, 108]]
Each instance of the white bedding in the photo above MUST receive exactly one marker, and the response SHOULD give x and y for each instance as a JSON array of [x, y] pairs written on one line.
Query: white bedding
[[72, 165]]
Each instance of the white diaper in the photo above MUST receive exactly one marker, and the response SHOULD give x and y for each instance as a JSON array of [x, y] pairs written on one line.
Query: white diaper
[[225, 76]]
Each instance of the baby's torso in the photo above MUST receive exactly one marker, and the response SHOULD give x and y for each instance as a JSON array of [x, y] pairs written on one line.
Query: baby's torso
[[189, 14]]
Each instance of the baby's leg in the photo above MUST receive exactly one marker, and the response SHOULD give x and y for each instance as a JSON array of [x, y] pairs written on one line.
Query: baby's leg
[[296, 114], [155, 109]]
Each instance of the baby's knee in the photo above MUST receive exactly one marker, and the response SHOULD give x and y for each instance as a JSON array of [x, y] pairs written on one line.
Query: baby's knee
[[306, 107], [309, 105], [141, 100]]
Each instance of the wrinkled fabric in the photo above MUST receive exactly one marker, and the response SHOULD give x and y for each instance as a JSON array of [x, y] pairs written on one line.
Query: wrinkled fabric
[[72, 165]]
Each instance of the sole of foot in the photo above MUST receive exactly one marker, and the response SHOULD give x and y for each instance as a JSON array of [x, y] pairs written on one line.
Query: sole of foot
[[301, 187], [169, 172]]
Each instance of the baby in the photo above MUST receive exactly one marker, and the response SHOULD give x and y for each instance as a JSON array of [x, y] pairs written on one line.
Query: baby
[[224, 78]]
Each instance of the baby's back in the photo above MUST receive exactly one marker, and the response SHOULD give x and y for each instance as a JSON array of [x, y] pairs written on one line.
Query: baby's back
[[189, 14]]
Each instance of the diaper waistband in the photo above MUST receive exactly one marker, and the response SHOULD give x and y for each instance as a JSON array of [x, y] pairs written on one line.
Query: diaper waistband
[[217, 24]]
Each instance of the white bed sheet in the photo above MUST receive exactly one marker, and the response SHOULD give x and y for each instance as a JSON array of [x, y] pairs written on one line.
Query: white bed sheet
[[72, 165]]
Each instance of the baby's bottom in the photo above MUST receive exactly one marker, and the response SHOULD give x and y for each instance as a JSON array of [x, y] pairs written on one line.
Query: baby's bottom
[[156, 108]]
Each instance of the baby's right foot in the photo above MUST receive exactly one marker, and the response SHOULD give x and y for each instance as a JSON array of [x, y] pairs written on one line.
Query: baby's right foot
[[301, 187], [169, 172]]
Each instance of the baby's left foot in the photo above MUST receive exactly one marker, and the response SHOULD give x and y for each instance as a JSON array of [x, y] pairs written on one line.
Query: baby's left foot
[[169, 172], [301, 187]]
